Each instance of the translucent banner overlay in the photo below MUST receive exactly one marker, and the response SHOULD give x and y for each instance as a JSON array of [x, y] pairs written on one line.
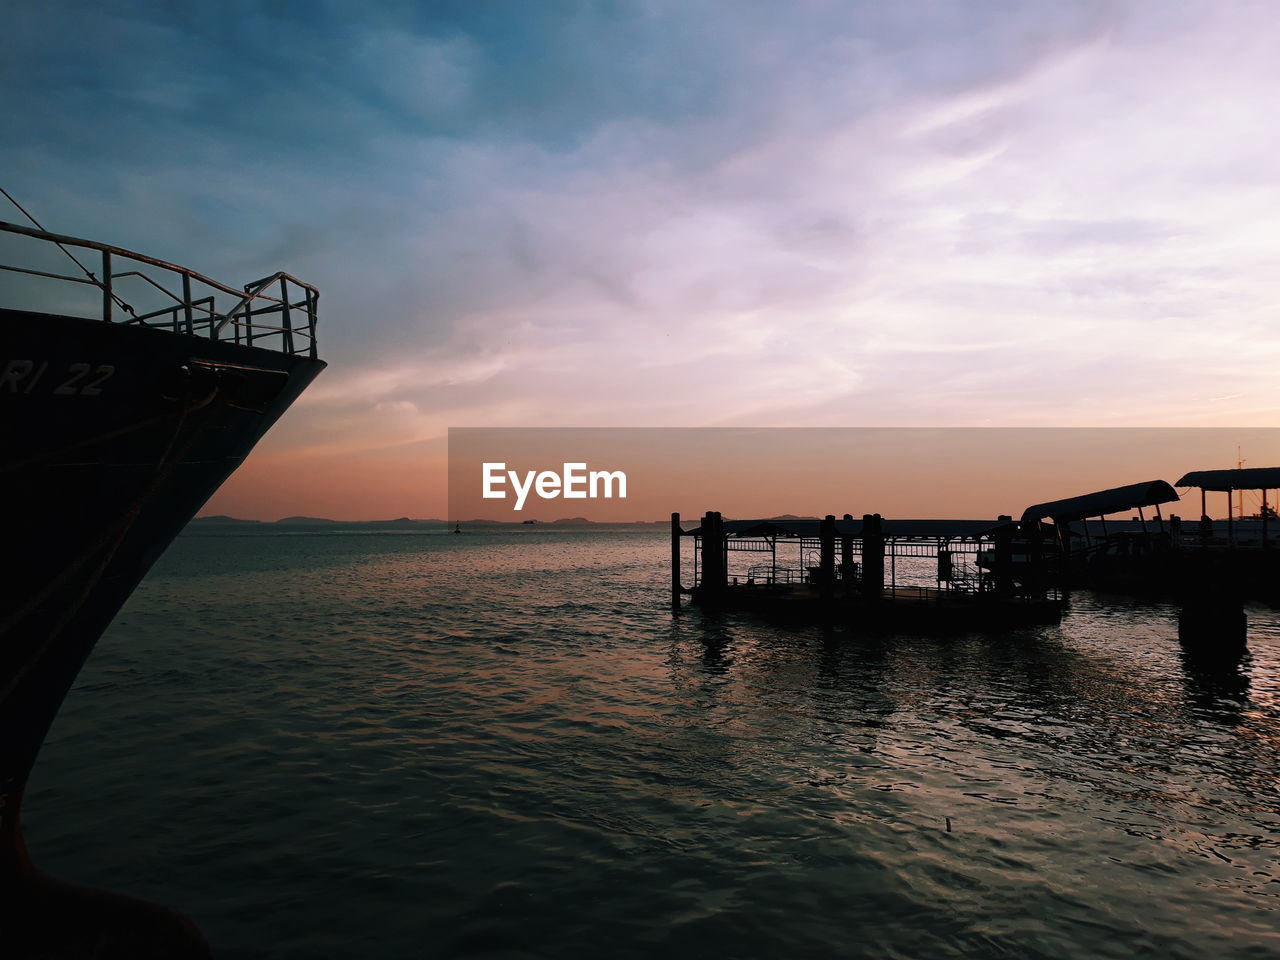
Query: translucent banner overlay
[[768, 472]]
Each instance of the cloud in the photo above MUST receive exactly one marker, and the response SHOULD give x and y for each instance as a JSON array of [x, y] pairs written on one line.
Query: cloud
[[672, 213]]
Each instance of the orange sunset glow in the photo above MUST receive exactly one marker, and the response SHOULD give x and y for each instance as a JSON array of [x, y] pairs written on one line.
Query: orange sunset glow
[[957, 473]]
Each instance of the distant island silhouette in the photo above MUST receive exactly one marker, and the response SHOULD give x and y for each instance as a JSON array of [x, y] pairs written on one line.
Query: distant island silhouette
[[301, 521]]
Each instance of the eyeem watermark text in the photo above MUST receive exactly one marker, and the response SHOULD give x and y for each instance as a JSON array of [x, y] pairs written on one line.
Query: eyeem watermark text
[[573, 482]]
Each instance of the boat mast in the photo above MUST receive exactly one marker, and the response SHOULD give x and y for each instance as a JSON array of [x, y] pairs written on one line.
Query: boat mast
[[1240, 462]]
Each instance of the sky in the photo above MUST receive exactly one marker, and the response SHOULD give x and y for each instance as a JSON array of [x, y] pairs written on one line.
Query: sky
[[682, 212]]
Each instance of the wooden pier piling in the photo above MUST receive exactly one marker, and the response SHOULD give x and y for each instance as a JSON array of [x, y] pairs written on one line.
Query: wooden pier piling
[[872, 556], [827, 558], [1265, 518], [846, 556], [676, 589], [715, 567], [1003, 568]]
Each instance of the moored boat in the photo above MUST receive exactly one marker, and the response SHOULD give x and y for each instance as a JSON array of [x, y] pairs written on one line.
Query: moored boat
[[117, 423]]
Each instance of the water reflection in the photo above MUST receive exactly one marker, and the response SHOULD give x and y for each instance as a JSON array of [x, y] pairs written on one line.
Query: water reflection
[[1105, 716], [716, 637], [1217, 684]]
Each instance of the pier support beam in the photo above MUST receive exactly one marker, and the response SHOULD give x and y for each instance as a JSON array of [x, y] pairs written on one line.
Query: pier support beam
[[827, 558], [872, 556], [1003, 572], [846, 556], [675, 561], [715, 571], [1063, 532]]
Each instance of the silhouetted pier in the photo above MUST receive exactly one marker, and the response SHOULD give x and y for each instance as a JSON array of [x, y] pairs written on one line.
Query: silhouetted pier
[[976, 574], [918, 574]]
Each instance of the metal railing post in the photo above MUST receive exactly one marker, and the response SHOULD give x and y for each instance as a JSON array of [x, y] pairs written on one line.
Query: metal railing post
[[186, 302], [106, 286], [312, 303], [287, 335]]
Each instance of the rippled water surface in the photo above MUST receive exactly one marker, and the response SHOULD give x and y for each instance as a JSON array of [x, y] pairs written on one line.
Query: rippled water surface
[[370, 744]]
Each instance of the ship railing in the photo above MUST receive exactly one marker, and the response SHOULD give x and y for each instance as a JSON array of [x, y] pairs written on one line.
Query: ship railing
[[276, 312]]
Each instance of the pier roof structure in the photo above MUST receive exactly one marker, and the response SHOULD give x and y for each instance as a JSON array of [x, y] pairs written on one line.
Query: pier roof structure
[[1130, 497], [1251, 478]]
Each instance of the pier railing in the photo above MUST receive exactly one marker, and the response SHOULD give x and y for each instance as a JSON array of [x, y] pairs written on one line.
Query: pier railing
[[277, 312], [909, 565]]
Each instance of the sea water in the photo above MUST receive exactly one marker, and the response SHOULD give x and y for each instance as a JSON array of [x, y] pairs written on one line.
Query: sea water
[[363, 742]]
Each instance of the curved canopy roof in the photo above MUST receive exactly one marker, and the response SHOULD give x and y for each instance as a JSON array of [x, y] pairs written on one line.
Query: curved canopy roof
[[1254, 478], [1103, 502]]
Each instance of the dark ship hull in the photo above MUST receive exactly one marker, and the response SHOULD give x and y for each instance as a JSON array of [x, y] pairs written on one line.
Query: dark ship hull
[[113, 437], [98, 485]]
